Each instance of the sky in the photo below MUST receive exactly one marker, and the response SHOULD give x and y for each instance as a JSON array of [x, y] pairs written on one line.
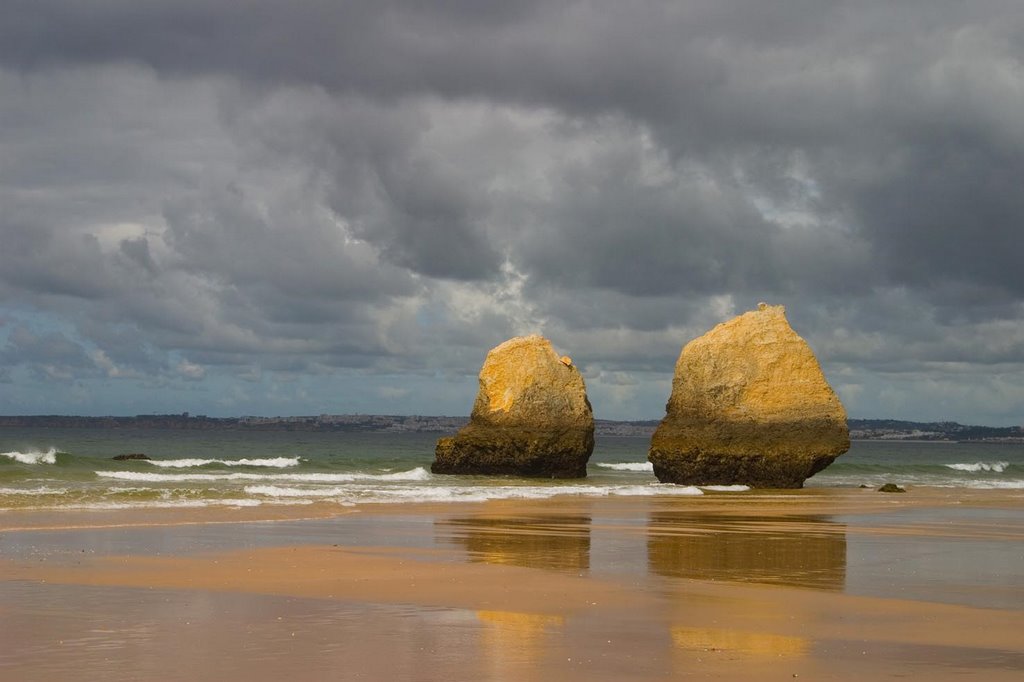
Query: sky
[[298, 207]]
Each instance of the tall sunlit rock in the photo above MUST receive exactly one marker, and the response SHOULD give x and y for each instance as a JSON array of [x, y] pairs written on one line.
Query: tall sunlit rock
[[531, 417], [750, 406]]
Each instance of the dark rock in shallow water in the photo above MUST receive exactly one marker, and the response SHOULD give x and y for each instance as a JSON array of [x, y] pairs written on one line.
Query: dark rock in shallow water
[[519, 452], [749, 406], [134, 455], [891, 488], [531, 417]]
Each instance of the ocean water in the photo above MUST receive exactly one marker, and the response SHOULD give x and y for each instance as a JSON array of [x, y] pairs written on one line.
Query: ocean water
[[75, 469]]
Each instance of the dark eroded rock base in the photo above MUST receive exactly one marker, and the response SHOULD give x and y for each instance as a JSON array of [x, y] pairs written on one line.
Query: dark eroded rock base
[[754, 470], [541, 454]]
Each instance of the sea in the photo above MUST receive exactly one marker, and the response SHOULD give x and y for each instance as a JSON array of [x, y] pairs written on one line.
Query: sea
[[74, 468]]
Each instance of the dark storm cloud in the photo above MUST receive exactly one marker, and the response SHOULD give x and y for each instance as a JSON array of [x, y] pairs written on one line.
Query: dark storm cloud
[[410, 204], [229, 233], [727, 84], [36, 259], [53, 355], [391, 185], [943, 210]]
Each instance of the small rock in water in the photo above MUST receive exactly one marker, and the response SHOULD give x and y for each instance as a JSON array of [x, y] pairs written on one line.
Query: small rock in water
[[891, 488]]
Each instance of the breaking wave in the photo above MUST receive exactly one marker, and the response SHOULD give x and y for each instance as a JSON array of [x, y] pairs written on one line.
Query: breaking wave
[[994, 467], [627, 466], [456, 493], [33, 456], [271, 462], [417, 474], [42, 490]]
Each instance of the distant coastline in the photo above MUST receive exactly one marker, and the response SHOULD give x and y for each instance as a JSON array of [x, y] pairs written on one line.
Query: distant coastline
[[369, 423], [860, 429]]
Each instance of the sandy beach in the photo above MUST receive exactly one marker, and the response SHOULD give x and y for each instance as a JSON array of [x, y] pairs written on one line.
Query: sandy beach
[[817, 584]]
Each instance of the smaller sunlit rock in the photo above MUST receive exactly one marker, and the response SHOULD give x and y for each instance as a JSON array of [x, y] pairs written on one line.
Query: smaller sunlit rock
[[531, 417]]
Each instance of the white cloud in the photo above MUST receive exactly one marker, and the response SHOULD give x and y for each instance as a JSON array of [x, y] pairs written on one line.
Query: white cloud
[[191, 371]]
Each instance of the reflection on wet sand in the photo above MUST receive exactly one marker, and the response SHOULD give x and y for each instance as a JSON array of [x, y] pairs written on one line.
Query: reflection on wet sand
[[802, 552], [560, 543], [739, 642], [515, 642]]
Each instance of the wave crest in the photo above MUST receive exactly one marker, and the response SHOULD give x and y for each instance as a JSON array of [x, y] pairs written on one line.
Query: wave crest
[[33, 456], [627, 466], [41, 490], [995, 467], [271, 462], [417, 474]]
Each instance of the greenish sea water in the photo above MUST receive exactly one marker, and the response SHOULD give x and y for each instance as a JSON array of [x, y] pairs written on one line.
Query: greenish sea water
[[73, 468]]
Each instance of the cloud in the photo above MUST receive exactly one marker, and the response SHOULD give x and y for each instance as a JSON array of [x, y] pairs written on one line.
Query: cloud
[[191, 371], [53, 350], [312, 190]]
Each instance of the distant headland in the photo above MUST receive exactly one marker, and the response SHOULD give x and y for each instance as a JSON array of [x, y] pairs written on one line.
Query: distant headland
[[860, 429]]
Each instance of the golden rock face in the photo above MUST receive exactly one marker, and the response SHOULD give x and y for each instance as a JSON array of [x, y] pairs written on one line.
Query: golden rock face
[[531, 417], [749, 405], [523, 381]]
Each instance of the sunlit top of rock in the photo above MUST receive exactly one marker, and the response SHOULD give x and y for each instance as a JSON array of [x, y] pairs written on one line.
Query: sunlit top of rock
[[753, 367], [524, 381]]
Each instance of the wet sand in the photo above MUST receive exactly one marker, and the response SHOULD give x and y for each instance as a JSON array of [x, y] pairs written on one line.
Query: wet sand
[[818, 584]]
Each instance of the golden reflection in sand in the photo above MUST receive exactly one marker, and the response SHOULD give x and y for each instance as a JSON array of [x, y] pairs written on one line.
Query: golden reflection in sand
[[805, 552], [758, 644], [514, 641], [559, 543]]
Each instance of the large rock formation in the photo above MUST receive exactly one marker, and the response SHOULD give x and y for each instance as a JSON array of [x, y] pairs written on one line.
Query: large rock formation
[[531, 417], [751, 406]]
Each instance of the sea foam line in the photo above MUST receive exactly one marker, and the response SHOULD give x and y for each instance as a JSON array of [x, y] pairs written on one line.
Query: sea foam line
[[42, 490], [464, 493], [417, 474], [627, 466], [273, 462], [33, 457], [166, 504], [982, 485]]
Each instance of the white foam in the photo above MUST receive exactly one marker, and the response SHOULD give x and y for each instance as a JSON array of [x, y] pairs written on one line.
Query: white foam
[[627, 466], [544, 492], [417, 474], [168, 504], [42, 490], [33, 456], [996, 467], [986, 485], [727, 488], [272, 462], [457, 493], [282, 491], [659, 489]]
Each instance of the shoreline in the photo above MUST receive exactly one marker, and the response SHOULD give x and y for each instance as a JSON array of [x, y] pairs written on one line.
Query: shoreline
[[824, 583], [802, 501]]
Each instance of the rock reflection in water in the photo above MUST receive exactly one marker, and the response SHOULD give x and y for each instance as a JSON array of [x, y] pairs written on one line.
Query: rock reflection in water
[[514, 645], [739, 642], [803, 552], [560, 543]]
